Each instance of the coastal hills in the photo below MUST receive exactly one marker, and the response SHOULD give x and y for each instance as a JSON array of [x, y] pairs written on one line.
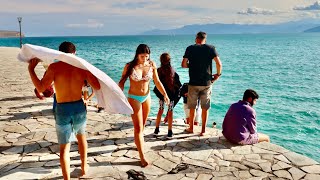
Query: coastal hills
[[220, 28], [301, 26], [315, 29], [4, 34]]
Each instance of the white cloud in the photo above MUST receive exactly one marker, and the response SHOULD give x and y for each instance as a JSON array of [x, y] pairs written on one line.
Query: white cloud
[[315, 6], [92, 23], [131, 16], [255, 11]]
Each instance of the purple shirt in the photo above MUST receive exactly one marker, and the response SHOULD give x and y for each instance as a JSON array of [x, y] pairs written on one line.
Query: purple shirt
[[239, 122]]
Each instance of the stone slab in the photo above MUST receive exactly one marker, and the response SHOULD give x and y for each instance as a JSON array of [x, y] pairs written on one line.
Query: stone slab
[[299, 160]]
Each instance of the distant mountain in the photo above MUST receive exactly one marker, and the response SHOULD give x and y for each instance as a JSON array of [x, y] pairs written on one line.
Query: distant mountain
[[315, 29], [9, 34], [219, 28]]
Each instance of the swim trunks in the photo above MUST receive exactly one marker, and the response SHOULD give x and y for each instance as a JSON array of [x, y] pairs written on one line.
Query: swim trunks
[[70, 120]]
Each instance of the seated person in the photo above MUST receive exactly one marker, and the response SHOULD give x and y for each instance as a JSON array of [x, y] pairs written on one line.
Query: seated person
[[239, 124]]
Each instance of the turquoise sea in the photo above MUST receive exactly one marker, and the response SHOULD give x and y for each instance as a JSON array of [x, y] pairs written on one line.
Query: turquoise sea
[[283, 68]]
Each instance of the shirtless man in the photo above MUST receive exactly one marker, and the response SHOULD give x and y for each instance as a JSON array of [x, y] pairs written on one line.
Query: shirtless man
[[70, 111]]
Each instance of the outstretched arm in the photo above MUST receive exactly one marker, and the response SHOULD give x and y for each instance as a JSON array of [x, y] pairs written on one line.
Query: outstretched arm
[[158, 84], [47, 79]]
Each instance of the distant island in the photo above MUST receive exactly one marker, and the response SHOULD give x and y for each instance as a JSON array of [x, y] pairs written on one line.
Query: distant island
[[306, 25], [5, 34], [315, 29]]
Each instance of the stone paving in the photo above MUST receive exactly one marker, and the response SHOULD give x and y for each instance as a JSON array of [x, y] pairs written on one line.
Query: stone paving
[[29, 149]]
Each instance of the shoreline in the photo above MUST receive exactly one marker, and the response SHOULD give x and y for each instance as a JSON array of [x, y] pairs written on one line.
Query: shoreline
[[28, 142]]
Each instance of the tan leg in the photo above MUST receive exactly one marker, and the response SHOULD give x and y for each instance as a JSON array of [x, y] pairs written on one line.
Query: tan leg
[[187, 120], [158, 120], [165, 120], [204, 115], [83, 150], [137, 119], [170, 119], [191, 120], [146, 110], [65, 160]]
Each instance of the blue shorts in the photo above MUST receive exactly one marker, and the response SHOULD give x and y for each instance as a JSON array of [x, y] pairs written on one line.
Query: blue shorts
[[70, 120]]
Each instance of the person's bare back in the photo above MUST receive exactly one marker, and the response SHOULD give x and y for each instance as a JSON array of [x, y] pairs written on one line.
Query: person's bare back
[[68, 81], [70, 111]]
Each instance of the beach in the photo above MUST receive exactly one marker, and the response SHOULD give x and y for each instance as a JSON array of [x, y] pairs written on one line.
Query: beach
[[29, 149]]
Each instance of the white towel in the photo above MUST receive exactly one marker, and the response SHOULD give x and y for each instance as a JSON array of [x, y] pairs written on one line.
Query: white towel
[[110, 96]]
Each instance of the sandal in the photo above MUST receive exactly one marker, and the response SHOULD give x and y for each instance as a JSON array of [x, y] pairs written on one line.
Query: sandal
[[178, 168], [136, 175]]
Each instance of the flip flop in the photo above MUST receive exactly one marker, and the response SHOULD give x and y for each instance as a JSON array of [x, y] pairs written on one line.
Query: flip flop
[[178, 168], [136, 175]]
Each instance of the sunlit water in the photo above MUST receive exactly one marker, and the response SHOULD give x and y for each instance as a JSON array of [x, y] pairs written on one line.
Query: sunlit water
[[282, 68]]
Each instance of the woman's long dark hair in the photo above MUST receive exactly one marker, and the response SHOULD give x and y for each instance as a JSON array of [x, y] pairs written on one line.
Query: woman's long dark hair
[[166, 72], [141, 49]]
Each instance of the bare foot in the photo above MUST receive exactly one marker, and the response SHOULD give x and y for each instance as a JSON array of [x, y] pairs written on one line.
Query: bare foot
[[202, 133], [189, 130], [84, 169], [144, 163]]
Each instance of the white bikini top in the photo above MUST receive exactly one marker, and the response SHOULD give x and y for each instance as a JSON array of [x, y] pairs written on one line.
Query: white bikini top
[[134, 76]]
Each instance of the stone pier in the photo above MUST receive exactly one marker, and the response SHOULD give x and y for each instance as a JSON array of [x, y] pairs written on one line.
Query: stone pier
[[29, 149]]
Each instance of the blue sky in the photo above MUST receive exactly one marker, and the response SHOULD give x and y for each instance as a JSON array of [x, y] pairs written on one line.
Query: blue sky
[[106, 17]]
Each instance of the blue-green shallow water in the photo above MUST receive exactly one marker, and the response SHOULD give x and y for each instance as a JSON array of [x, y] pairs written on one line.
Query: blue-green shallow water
[[283, 68]]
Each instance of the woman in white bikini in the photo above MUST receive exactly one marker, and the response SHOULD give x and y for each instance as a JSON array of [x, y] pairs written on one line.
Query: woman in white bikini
[[140, 71]]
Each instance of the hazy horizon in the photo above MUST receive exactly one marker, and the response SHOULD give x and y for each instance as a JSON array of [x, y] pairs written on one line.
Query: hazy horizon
[[132, 17]]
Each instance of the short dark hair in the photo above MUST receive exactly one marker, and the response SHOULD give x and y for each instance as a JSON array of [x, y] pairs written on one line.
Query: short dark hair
[[250, 93], [201, 35], [67, 47]]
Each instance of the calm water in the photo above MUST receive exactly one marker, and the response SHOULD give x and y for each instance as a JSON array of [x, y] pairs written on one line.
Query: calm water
[[283, 68]]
